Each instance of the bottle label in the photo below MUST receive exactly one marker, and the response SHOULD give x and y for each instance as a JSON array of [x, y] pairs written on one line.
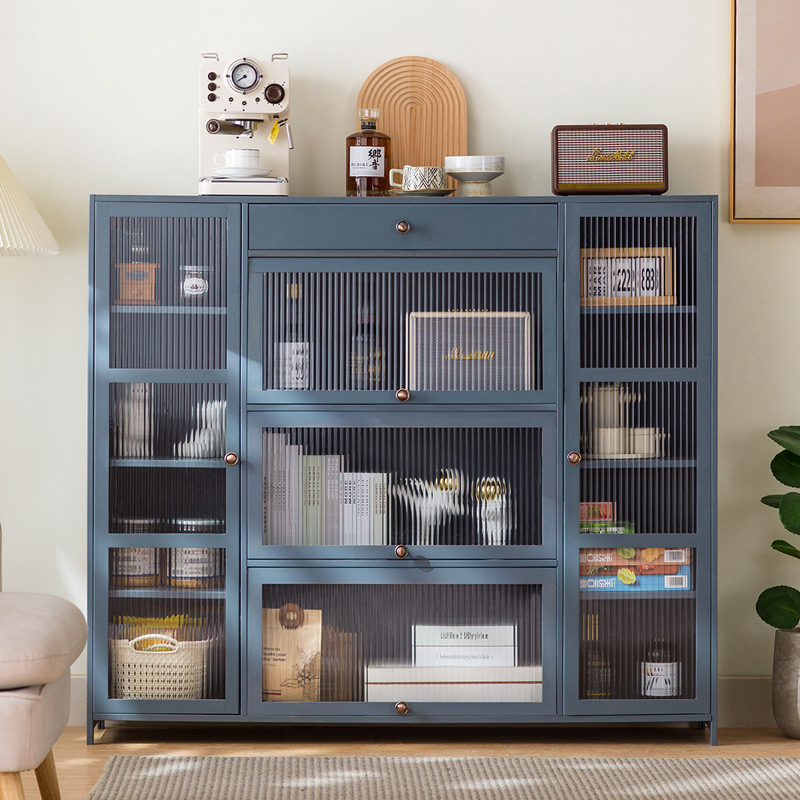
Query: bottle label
[[193, 562], [137, 562], [661, 679], [367, 162], [291, 365], [194, 286]]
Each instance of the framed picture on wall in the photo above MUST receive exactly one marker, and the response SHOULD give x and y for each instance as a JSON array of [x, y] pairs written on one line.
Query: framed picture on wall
[[765, 111], [627, 276]]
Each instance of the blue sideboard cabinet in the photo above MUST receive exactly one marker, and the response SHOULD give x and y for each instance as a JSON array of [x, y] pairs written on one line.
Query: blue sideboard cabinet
[[390, 461]]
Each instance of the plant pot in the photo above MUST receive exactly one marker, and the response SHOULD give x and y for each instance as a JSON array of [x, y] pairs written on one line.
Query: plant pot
[[785, 682]]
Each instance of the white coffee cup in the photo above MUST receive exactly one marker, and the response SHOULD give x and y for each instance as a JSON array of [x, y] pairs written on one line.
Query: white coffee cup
[[416, 178], [610, 441], [238, 158], [647, 442]]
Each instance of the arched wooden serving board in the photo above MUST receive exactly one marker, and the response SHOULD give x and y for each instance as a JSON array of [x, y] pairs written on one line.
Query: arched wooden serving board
[[422, 107]]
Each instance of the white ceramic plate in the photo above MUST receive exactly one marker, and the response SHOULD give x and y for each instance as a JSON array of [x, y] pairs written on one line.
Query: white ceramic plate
[[422, 192], [241, 172]]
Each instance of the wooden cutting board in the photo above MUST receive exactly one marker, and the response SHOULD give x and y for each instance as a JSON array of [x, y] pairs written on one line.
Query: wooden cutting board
[[422, 107]]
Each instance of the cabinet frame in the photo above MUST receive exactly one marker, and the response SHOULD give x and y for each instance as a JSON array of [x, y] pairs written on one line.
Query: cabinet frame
[[704, 210], [416, 571], [101, 540]]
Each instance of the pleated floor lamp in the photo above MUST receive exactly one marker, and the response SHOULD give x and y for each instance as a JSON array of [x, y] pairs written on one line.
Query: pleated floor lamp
[[23, 232]]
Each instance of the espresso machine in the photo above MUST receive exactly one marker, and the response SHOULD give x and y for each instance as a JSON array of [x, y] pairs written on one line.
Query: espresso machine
[[245, 137]]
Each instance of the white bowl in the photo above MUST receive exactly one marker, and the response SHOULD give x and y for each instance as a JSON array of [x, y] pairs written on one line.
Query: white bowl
[[475, 164]]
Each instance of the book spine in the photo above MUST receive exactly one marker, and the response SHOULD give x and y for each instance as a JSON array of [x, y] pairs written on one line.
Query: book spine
[[332, 500], [348, 505], [292, 506]]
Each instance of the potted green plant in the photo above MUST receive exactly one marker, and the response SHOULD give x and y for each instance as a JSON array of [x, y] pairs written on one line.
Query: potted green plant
[[779, 606]]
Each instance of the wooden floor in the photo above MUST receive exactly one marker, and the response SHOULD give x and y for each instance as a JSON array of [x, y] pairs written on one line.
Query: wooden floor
[[79, 765]]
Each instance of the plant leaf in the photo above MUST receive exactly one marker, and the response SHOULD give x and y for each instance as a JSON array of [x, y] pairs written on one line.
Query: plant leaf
[[772, 500], [779, 606], [784, 547], [786, 468], [789, 512], [787, 436]]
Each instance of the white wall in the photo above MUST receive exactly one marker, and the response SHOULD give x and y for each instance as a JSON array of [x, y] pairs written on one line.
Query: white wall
[[100, 97]]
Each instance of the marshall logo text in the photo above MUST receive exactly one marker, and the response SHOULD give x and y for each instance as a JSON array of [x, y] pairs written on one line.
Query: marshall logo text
[[620, 155], [457, 354]]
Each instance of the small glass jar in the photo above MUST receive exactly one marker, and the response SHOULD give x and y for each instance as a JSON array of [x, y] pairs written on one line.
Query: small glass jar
[[194, 285], [195, 567]]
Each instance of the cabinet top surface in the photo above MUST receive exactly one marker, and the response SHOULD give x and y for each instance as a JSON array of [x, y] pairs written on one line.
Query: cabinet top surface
[[552, 199]]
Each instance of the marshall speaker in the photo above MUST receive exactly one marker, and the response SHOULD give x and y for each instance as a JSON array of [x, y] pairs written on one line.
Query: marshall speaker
[[610, 159]]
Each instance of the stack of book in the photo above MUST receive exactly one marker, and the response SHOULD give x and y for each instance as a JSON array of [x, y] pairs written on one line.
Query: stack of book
[[310, 499]]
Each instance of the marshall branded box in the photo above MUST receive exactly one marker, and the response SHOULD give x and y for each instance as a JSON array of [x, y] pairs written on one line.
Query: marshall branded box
[[610, 159], [479, 351]]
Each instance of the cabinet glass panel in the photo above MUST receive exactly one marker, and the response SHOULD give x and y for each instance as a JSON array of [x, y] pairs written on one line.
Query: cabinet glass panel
[[401, 485], [638, 292], [423, 331], [166, 613], [168, 296], [637, 623], [166, 448], [429, 643], [638, 473]]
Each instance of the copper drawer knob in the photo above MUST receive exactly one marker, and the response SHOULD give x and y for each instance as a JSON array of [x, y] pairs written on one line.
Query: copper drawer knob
[[401, 708], [574, 457], [401, 551], [403, 226], [402, 395], [231, 459]]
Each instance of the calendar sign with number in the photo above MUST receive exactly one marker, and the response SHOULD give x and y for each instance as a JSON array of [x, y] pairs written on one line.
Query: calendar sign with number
[[627, 276]]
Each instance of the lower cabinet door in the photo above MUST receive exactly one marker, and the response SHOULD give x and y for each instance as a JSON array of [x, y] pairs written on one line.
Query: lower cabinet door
[[172, 633], [637, 636], [405, 642]]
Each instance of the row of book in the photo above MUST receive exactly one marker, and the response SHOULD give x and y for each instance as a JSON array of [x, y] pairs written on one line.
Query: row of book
[[310, 499]]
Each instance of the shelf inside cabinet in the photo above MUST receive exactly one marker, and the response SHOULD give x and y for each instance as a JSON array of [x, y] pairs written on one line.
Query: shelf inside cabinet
[[179, 463], [168, 593], [638, 309], [605, 462], [192, 310]]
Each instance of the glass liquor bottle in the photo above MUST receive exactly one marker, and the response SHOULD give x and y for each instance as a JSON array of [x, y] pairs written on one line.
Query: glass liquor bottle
[[366, 352], [660, 670], [368, 154], [293, 352], [596, 669]]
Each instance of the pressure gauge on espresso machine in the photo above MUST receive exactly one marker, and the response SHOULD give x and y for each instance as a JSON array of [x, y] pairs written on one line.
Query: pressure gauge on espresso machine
[[244, 75]]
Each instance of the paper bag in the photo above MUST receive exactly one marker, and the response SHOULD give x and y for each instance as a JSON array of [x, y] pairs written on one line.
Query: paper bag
[[291, 643]]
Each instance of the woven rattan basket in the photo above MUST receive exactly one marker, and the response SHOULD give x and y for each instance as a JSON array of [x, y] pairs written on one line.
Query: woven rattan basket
[[158, 667]]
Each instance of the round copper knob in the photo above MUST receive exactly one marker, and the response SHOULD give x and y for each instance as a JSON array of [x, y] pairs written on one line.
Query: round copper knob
[[401, 551], [231, 459], [401, 708], [574, 457], [402, 395], [403, 226]]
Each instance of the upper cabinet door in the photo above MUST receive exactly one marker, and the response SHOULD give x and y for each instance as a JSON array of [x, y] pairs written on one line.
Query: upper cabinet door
[[409, 330], [170, 273]]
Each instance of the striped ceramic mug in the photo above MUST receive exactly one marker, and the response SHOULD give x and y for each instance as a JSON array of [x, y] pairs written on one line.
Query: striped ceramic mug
[[416, 178]]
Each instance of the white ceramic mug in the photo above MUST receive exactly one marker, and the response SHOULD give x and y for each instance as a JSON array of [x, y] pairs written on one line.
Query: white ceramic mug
[[647, 442], [610, 441], [415, 178], [238, 157]]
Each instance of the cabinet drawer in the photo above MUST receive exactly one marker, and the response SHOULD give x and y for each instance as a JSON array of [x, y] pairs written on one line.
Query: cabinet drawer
[[364, 226]]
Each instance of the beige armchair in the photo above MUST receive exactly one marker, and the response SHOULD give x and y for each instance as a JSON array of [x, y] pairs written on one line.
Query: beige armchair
[[40, 638]]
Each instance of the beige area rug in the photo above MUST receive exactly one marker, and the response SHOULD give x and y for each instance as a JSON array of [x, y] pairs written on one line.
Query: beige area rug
[[374, 778]]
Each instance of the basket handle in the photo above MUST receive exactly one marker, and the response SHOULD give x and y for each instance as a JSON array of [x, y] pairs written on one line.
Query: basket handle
[[164, 643]]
